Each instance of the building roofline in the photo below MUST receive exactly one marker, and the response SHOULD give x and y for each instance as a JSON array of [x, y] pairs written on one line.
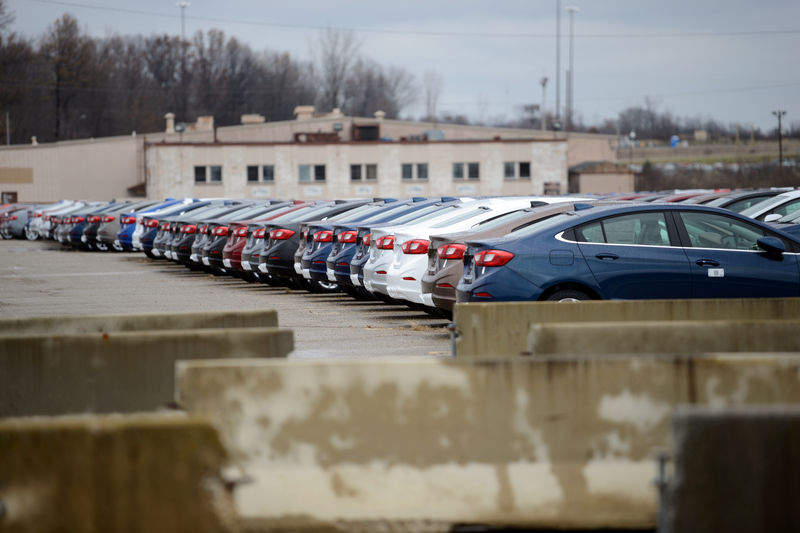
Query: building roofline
[[353, 143]]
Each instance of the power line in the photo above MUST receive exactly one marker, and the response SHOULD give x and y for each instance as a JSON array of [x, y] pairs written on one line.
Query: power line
[[649, 35]]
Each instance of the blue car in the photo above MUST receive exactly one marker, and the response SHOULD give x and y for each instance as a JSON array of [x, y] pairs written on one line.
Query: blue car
[[127, 226], [637, 251]]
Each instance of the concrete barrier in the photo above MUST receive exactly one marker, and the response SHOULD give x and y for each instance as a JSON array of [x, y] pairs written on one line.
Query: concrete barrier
[[71, 325], [510, 322], [750, 486], [116, 371], [95, 474], [664, 337], [565, 442]]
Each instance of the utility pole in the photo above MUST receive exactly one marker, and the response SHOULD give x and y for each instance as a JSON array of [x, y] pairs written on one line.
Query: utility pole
[[8, 129], [558, 61], [183, 4], [571, 78], [543, 82], [779, 113]]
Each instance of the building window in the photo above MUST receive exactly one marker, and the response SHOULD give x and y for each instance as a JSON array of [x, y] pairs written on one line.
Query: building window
[[319, 172], [211, 174], [215, 174], [509, 170], [267, 173], [472, 171], [513, 170], [524, 170], [359, 172], [304, 172], [252, 173], [407, 171]]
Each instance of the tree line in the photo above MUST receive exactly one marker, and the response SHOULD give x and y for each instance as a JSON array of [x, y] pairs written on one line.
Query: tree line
[[70, 86], [67, 85]]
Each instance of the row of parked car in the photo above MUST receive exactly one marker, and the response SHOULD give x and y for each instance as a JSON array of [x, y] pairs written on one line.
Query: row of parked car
[[430, 253]]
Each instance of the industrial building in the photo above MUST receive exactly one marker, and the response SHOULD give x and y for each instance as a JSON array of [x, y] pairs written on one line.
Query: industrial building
[[317, 155]]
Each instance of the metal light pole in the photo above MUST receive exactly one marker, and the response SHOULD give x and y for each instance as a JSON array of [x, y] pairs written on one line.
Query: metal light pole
[[558, 60], [779, 113], [543, 82], [571, 78]]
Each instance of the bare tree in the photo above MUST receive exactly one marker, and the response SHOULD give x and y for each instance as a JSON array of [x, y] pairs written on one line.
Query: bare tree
[[6, 17], [283, 84], [70, 57], [335, 52]]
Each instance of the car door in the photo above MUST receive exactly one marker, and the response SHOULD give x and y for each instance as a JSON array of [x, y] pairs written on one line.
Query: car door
[[635, 256], [727, 262]]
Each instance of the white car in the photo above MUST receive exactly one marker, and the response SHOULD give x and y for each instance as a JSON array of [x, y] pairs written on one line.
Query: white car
[[39, 224], [381, 247], [775, 208], [410, 254]]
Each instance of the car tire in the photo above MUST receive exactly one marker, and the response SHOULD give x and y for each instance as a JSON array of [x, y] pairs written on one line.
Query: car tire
[[30, 235], [568, 295], [323, 286]]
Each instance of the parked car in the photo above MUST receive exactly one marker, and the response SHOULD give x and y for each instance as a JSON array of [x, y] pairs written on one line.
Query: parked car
[[774, 208], [12, 223], [284, 236], [37, 217], [738, 201], [110, 224], [411, 243], [81, 218], [346, 241], [640, 251], [446, 252]]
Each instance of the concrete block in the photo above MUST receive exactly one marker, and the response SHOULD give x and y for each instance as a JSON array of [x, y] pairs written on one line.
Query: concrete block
[[664, 337], [116, 371], [128, 474], [510, 322], [735, 470], [564, 442], [73, 325]]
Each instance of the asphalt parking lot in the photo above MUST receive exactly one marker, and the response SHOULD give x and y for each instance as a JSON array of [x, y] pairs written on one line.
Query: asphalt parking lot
[[41, 278]]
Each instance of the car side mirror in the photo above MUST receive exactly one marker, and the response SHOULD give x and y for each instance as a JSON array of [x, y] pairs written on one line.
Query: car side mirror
[[771, 245], [772, 217]]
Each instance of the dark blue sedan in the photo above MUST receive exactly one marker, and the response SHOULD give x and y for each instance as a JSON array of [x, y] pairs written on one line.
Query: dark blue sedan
[[637, 251]]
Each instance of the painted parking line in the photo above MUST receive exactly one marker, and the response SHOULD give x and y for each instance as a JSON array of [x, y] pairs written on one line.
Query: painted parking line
[[71, 275]]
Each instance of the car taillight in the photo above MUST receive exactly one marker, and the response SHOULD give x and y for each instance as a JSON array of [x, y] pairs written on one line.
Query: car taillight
[[241, 232], [75, 220], [366, 239], [13, 217], [221, 231], [260, 233], [164, 226], [189, 228], [416, 246], [47, 218], [109, 218], [451, 251], [68, 220], [152, 223], [346, 237], [37, 215], [323, 236], [385, 243], [128, 220], [204, 229], [493, 258], [93, 219], [281, 234]]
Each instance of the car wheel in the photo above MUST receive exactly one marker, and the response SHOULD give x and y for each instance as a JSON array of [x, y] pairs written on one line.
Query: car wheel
[[568, 295], [323, 286], [30, 235]]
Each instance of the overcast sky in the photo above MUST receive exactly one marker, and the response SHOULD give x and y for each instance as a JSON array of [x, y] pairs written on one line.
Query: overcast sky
[[734, 61]]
